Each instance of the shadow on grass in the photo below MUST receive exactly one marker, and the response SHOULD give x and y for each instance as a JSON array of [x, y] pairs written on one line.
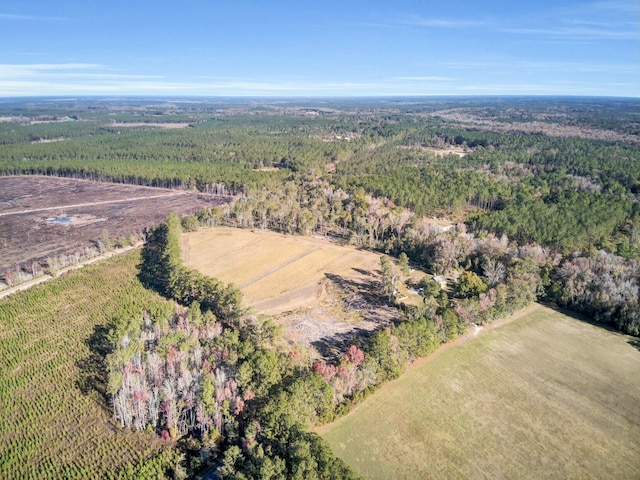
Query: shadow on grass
[[635, 344], [363, 292], [362, 271], [93, 376], [361, 296], [583, 318]]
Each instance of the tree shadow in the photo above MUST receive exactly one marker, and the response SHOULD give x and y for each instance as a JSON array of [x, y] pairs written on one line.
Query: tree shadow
[[335, 345], [93, 377], [362, 271], [635, 344], [583, 317], [363, 293]]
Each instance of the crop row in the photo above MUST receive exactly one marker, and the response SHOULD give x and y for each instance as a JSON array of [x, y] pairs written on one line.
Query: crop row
[[50, 340]]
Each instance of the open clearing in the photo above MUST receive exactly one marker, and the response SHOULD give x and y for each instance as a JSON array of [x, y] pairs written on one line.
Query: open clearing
[[43, 217], [165, 125], [323, 294], [275, 272], [546, 396]]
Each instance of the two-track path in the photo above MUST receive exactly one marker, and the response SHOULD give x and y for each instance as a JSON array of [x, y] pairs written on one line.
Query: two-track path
[[45, 278], [91, 204]]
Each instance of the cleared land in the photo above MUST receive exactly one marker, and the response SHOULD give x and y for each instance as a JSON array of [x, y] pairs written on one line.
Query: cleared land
[[275, 272], [546, 396], [34, 211], [165, 125], [324, 294], [55, 419]]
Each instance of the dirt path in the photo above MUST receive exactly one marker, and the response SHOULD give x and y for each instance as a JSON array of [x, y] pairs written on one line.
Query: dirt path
[[91, 204], [45, 278], [277, 268], [469, 336]]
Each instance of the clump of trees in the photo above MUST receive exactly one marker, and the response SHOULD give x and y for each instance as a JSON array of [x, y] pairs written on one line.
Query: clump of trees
[[603, 286], [491, 274], [211, 372], [162, 269], [217, 378]]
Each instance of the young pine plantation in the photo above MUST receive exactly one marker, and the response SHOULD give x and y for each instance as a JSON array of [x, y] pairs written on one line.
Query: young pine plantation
[[57, 421]]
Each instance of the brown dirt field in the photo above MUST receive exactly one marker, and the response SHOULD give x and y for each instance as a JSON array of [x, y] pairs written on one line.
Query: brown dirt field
[[275, 272], [323, 294], [97, 210], [164, 125]]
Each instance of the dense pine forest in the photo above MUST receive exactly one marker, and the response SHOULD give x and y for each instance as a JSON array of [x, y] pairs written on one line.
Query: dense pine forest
[[511, 200]]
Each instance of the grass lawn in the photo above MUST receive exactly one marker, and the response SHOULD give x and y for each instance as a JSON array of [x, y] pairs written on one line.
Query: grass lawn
[[546, 396]]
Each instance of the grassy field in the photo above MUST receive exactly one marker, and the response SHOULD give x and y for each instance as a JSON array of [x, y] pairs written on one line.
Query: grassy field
[[55, 423], [546, 396], [275, 272]]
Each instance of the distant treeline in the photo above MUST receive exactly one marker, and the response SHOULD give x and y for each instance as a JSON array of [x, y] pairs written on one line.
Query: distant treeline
[[572, 194]]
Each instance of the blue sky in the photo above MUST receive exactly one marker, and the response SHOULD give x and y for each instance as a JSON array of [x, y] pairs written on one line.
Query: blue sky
[[319, 48]]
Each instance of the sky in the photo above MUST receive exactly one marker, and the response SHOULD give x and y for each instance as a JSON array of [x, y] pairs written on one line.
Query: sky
[[319, 48]]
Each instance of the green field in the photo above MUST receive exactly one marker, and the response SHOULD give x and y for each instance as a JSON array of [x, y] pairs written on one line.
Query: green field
[[546, 396], [55, 421]]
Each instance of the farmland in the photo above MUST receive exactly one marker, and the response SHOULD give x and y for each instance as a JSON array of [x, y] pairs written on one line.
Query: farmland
[[546, 396], [56, 422], [43, 217]]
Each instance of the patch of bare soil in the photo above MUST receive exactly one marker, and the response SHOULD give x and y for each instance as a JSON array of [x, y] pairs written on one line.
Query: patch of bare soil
[[43, 217], [346, 308], [166, 125], [459, 151], [48, 140]]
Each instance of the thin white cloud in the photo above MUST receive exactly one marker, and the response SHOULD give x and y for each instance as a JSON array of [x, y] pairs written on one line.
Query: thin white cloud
[[119, 86], [96, 79], [559, 88], [594, 21], [463, 64], [580, 33], [8, 70], [424, 79], [419, 21], [602, 24], [31, 18], [620, 6], [25, 88], [609, 68], [546, 66]]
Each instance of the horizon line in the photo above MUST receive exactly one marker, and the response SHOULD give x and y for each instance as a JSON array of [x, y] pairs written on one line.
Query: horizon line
[[320, 96]]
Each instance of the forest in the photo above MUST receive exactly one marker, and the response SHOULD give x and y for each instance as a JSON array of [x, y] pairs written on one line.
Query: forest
[[540, 196]]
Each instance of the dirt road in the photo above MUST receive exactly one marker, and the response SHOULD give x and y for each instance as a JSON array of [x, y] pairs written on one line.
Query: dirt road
[[45, 278], [91, 204]]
